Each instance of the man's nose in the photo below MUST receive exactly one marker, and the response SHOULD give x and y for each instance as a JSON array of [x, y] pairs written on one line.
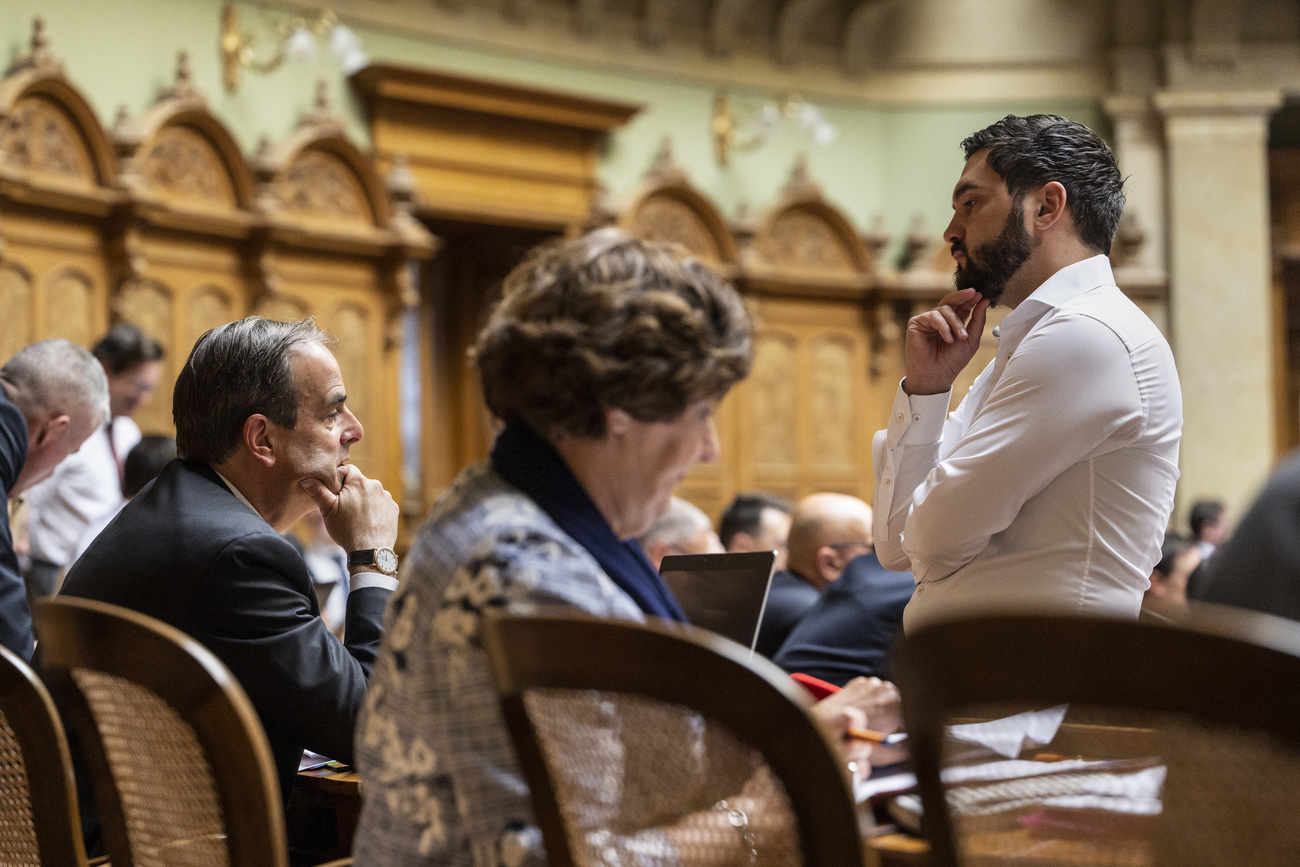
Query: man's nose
[[352, 429], [954, 233]]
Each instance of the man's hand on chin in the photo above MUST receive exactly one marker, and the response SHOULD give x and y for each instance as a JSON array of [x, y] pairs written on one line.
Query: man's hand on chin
[[941, 342], [361, 515]]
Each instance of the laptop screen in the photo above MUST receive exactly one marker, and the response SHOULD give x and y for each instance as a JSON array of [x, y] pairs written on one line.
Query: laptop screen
[[724, 593]]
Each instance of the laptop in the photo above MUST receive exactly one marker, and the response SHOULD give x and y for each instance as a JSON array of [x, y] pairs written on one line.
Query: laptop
[[724, 593]]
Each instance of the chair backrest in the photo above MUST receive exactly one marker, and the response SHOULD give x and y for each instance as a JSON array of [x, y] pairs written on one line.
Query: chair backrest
[[39, 824], [181, 767], [1195, 725], [693, 721]]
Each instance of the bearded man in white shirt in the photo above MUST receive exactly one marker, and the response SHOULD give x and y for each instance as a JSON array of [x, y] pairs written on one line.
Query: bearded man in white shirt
[[1050, 486]]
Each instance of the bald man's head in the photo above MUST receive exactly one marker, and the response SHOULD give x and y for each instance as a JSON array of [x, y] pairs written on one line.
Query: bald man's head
[[827, 531]]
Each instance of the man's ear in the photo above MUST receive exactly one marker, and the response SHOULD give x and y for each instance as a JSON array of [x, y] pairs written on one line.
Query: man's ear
[[51, 430], [258, 439], [1049, 205], [828, 564]]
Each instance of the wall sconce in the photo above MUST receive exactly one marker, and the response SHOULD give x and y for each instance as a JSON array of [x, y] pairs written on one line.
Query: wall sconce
[[750, 133], [295, 42]]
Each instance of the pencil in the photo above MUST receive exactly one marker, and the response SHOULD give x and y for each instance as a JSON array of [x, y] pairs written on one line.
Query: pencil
[[874, 737]]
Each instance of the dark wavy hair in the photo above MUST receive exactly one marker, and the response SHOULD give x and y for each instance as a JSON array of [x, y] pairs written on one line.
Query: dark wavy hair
[[607, 321], [1028, 152]]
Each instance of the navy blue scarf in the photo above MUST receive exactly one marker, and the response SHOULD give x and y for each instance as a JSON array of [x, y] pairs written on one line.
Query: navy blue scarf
[[532, 465]]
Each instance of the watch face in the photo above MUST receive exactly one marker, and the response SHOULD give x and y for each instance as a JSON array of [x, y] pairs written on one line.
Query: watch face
[[385, 559]]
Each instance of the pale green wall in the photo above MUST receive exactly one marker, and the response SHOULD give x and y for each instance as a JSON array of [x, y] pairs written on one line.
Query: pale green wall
[[896, 162]]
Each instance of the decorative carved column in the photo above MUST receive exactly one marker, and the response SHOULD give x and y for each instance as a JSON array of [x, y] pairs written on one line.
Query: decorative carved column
[[1220, 288]]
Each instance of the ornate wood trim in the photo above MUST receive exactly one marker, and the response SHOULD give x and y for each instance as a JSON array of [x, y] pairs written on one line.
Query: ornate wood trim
[[484, 150]]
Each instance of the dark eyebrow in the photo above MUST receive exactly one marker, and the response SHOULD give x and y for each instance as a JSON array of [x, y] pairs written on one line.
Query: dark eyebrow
[[337, 399], [964, 188]]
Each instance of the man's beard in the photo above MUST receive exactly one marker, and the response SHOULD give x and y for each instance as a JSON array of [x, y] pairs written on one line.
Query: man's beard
[[995, 262]]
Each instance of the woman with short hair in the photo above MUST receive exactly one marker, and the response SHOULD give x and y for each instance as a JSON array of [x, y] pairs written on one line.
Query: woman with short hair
[[604, 359]]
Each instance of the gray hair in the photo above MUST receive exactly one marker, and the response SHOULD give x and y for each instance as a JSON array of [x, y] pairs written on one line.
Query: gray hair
[[56, 376], [676, 526], [234, 371]]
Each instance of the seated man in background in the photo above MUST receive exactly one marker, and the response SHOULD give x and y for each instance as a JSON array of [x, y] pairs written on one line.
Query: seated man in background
[[827, 531], [88, 485], [851, 629], [53, 394], [1166, 598], [756, 521], [263, 432], [683, 529]]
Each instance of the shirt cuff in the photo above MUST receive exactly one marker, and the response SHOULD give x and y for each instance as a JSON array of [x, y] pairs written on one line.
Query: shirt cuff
[[917, 419], [360, 580]]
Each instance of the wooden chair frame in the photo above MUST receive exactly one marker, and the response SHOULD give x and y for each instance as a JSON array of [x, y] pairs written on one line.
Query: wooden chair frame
[[35, 722], [1218, 665], [675, 663], [84, 634]]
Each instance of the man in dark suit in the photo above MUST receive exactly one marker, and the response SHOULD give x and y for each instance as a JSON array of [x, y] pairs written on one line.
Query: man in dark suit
[[53, 395], [851, 628], [827, 531], [262, 434]]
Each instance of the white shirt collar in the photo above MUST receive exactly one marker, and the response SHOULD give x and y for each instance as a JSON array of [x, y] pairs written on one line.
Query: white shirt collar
[[238, 494]]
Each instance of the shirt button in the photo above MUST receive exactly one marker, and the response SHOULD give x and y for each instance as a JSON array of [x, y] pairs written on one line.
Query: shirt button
[[901, 416], [887, 482], [920, 588], [916, 418]]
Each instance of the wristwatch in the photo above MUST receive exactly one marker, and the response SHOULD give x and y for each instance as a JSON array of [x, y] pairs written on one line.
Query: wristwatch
[[383, 559]]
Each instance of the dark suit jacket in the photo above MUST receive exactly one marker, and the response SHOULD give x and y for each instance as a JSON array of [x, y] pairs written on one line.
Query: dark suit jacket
[[1258, 566], [789, 598], [851, 628], [15, 614], [187, 552]]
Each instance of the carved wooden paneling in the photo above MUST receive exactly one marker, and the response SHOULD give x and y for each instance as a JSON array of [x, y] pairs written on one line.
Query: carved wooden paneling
[[321, 186], [208, 307], [663, 218], [41, 136], [772, 403], [69, 307], [16, 293], [832, 373], [801, 239], [282, 307], [184, 164]]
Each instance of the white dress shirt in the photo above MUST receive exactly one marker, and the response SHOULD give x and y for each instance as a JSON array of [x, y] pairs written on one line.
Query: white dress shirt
[[84, 487], [1050, 486]]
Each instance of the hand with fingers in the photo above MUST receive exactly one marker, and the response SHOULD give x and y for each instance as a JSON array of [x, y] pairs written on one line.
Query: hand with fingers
[[361, 515], [941, 342]]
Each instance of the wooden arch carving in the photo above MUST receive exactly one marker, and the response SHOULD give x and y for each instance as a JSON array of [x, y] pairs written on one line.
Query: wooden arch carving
[[180, 154], [668, 208], [49, 134], [804, 246]]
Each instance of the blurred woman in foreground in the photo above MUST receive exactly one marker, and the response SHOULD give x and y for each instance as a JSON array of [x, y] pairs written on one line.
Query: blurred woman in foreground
[[605, 359]]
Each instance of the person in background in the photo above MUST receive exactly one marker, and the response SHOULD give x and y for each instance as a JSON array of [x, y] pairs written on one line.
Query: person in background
[[263, 431], [683, 529], [88, 485], [642, 343], [827, 531], [756, 521], [852, 628], [53, 395], [142, 465], [1166, 598], [1050, 486], [1209, 523]]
